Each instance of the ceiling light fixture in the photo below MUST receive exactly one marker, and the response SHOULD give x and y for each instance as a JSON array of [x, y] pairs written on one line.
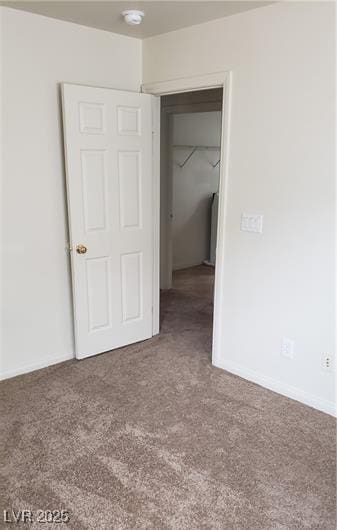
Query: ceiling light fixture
[[133, 17]]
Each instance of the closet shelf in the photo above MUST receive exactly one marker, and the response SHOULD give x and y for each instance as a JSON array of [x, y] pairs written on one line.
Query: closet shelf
[[195, 148]]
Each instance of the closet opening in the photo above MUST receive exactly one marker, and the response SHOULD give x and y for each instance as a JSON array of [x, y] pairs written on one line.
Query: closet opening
[[189, 183]]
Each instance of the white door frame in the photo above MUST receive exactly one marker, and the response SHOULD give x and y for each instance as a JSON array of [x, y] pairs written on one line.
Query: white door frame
[[190, 84]]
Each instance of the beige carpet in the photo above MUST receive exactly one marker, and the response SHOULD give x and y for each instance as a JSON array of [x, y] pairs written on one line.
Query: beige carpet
[[153, 437]]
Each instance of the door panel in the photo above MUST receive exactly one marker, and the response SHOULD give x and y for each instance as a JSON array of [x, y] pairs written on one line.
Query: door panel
[[99, 293], [132, 295], [94, 185], [130, 188], [108, 144]]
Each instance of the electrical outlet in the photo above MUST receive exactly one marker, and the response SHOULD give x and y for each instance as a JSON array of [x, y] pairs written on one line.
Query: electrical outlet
[[327, 362], [287, 348]]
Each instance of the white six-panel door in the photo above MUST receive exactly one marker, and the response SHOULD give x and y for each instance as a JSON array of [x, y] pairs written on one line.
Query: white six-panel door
[[108, 146]]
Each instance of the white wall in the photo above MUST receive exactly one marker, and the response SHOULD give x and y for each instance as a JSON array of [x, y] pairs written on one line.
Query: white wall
[[278, 284], [193, 186], [38, 54]]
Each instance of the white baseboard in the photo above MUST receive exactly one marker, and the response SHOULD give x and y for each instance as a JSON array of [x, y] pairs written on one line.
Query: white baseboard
[[329, 407], [49, 361], [187, 265]]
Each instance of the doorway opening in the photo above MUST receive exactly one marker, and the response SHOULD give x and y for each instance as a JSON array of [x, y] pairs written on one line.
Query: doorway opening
[[190, 179]]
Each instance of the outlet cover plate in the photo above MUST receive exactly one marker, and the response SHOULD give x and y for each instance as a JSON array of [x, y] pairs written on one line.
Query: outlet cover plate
[[287, 348]]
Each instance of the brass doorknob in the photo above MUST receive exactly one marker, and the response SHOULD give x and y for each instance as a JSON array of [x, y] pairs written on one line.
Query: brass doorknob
[[81, 249]]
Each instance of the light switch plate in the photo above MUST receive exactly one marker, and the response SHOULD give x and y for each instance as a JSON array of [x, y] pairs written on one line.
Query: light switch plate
[[252, 223]]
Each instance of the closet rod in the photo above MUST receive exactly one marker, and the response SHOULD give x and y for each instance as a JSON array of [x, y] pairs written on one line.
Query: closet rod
[[189, 156], [197, 146]]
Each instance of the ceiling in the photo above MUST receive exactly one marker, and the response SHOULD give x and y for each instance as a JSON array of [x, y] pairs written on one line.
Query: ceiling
[[160, 17]]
